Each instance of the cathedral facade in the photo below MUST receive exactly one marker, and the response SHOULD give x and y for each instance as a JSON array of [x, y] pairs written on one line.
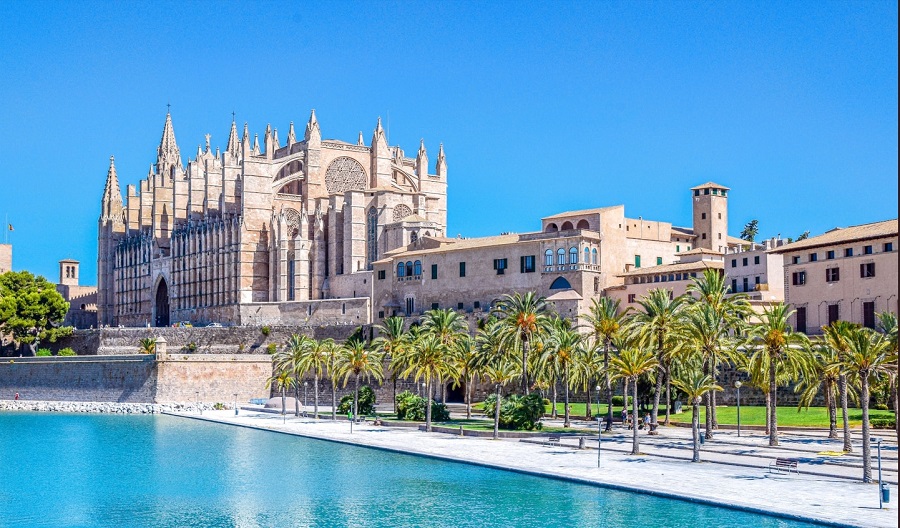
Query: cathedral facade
[[286, 231]]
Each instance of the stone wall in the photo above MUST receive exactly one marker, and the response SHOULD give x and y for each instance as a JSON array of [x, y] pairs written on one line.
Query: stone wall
[[212, 378], [332, 312]]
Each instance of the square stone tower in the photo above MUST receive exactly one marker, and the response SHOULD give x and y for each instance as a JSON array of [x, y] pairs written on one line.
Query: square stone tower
[[68, 272], [711, 216]]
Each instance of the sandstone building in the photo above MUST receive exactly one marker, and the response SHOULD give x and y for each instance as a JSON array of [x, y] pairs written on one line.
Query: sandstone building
[[82, 299], [258, 233]]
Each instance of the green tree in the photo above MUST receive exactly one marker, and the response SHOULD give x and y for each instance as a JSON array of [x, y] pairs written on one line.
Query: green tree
[[290, 358], [751, 229], [392, 337], [314, 358], [425, 360], [559, 354], [655, 323], [819, 373], [605, 321], [357, 361], [147, 345], [281, 380], [783, 349], [449, 326], [836, 335], [31, 310], [521, 317], [500, 372], [630, 364], [695, 384], [867, 356], [887, 324]]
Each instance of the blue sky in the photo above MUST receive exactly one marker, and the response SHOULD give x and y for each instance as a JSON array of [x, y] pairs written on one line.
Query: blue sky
[[542, 106]]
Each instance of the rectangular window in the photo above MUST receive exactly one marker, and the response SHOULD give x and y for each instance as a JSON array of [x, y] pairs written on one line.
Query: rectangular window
[[703, 216], [434, 271], [832, 274], [637, 261], [697, 192], [733, 263], [756, 280], [659, 261], [801, 319], [500, 266], [410, 305], [462, 269], [435, 306], [888, 247], [848, 252], [631, 297], [795, 260], [867, 250], [381, 314], [703, 236], [733, 285], [744, 261], [476, 305], [869, 314], [527, 264], [813, 257], [829, 255], [799, 278], [677, 249], [756, 259], [459, 306], [746, 283], [867, 270], [381, 274], [834, 313]]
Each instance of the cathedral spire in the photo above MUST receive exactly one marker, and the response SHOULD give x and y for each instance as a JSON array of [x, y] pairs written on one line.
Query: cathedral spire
[[312, 128], [292, 137], [359, 140], [378, 139], [234, 144], [422, 160], [441, 168], [111, 206], [167, 155]]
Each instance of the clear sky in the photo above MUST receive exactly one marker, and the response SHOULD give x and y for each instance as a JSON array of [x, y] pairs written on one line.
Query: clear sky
[[542, 106]]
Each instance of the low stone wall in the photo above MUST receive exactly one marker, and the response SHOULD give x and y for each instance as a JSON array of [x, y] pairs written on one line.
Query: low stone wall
[[331, 312], [101, 407], [212, 378]]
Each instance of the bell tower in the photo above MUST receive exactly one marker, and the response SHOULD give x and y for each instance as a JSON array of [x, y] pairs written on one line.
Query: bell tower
[[710, 204]]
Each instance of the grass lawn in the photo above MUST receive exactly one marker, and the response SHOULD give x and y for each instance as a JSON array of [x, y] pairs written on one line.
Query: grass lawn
[[787, 416]]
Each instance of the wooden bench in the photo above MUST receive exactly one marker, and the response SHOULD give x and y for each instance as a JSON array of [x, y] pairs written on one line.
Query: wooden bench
[[784, 465], [553, 440]]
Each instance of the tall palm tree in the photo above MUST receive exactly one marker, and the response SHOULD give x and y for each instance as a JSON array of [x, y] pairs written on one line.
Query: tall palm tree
[[392, 337], [448, 326], [783, 348], [315, 358], [290, 358], [464, 359], [695, 384], [332, 354], [500, 371], [656, 322], [887, 324], [868, 356], [836, 335], [586, 370], [281, 380], [563, 347], [357, 361], [522, 316], [425, 360], [630, 364], [819, 373], [605, 321]]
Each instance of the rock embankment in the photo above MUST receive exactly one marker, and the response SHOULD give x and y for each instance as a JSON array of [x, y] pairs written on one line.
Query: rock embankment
[[103, 407]]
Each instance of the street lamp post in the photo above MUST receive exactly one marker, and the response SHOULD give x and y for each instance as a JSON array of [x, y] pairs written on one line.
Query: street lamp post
[[881, 484], [305, 399], [737, 387], [235, 404], [198, 402], [423, 390]]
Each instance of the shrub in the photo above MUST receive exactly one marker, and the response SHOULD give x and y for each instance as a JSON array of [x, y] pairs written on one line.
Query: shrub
[[881, 406], [190, 347], [272, 348], [365, 405], [266, 330], [617, 401], [219, 406], [883, 423], [66, 352], [517, 412], [43, 352], [412, 408]]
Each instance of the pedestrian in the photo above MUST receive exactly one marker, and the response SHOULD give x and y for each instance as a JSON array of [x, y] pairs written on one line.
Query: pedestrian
[[647, 421], [624, 415], [17, 396]]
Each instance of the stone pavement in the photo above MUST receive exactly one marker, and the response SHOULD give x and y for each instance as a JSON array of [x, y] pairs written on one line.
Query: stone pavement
[[663, 470]]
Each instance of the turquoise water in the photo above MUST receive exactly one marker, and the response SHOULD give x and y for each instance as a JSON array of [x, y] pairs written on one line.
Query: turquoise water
[[101, 470]]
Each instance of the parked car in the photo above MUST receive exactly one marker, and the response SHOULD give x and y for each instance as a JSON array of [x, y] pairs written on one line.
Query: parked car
[[214, 325]]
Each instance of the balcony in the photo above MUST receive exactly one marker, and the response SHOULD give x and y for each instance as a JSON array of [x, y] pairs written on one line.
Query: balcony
[[563, 268]]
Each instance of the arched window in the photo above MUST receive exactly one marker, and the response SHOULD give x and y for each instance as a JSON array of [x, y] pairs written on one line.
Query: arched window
[[417, 268], [409, 268], [548, 257], [560, 284], [583, 224], [551, 228], [372, 236], [573, 255], [587, 255], [401, 269], [560, 256], [567, 226], [594, 256]]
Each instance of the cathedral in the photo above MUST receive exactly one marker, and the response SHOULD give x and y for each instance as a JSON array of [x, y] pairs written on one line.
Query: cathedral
[[271, 228]]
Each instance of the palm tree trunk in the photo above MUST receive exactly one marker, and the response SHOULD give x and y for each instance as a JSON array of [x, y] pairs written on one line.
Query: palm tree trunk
[[468, 396], [428, 405], [283, 400], [497, 415], [773, 406], [394, 376], [867, 448], [635, 445], [708, 433], [715, 418], [587, 408], [525, 347], [297, 397], [566, 381], [654, 412], [896, 403], [668, 394], [842, 387], [333, 399], [768, 413], [609, 391], [316, 395], [553, 413], [832, 409], [695, 429], [356, 398]]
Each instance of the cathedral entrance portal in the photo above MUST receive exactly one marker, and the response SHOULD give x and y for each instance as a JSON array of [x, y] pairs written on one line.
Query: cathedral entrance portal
[[162, 304]]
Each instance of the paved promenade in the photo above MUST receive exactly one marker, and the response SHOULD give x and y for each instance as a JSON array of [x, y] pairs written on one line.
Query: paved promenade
[[736, 475]]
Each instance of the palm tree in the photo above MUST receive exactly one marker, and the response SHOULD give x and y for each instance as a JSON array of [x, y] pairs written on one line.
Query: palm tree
[[630, 364], [147, 345], [392, 337], [605, 322], [291, 358], [655, 322], [501, 371], [563, 346], [522, 316], [282, 380], [836, 335], [586, 369], [783, 348], [425, 360], [357, 361], [332, 354], [867, 356], [315, 358], [448, 326], [464, 360], [819, 372], [887, 324], [695, 384]]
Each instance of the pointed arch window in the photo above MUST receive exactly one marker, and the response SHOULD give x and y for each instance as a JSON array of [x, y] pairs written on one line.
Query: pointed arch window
[[573, 255], [587, 255], [548, 257], [560, 284], [594, 256], [372, 237]]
